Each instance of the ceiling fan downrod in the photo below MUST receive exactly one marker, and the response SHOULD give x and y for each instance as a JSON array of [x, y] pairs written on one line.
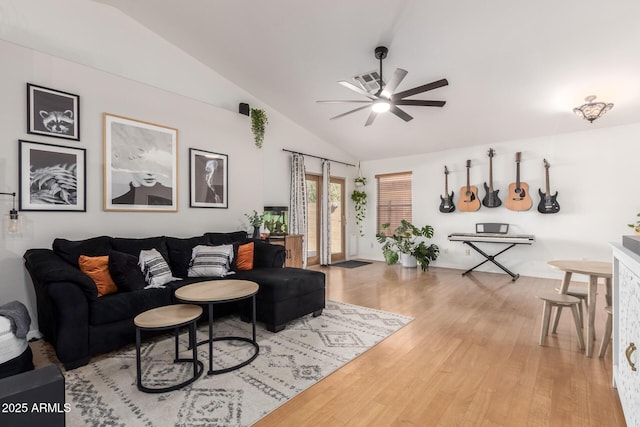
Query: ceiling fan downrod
[[380, 53]]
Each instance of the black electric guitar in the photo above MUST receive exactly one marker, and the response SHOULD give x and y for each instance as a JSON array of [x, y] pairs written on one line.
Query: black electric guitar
[[446, 203], [491, 199], [548, 203]]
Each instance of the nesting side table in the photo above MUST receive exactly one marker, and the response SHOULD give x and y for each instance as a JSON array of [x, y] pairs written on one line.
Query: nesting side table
[[221, 291], [169, 317]]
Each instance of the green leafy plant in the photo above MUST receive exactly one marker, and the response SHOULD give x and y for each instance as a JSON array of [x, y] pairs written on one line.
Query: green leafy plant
[[255, 219], [359, 197], [360, 181], [408, 239], [636, 226], [360, 203], [259, 122]]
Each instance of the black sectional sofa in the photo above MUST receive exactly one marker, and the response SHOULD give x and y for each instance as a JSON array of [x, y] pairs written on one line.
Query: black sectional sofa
[[79, 324]]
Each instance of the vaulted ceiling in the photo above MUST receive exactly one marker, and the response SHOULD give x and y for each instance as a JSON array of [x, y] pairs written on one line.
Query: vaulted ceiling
[[515, 69]]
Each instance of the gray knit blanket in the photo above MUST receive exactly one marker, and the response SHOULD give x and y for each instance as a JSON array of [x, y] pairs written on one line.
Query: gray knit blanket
[[18, 315]]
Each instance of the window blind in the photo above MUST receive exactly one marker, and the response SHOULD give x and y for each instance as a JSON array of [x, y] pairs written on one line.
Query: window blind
[[394, 199]]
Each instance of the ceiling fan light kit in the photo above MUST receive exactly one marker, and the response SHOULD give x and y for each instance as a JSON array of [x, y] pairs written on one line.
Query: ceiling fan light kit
[[386, 98], [381, 106], [592, 110]]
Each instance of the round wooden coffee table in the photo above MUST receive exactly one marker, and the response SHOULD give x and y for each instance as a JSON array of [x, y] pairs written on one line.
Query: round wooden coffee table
[[169, 317], [221, 291]]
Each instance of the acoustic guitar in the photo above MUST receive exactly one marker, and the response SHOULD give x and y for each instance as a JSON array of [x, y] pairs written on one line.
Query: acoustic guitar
[[548, 203], [469, 201], [518, 198], [446, 202], [491, 199]]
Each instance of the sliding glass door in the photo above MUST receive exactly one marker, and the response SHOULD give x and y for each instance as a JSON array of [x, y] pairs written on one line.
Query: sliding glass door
[[337, 216]]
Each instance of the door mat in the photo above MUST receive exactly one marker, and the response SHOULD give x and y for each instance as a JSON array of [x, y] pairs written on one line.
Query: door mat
[[350, 264]]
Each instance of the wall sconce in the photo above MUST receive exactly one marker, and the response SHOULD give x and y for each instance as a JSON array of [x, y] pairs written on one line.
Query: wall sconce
[[13, 223], [592, 110]]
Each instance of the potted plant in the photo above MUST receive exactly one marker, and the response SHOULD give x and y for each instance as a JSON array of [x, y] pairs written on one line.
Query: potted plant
[[359, 198], [259, 121], [636, 226], [406, 243], [256, 221]]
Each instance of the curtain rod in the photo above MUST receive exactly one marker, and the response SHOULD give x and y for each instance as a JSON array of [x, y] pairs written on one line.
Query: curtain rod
[[317, 157]]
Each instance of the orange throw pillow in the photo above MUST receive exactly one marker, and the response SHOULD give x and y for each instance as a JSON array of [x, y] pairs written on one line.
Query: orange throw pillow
[[245, 257], [97, 268]]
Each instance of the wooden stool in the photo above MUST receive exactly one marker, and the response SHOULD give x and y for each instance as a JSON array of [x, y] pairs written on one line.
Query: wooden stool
[[170, 317], [552, 299], [578, 292], [607, 332]]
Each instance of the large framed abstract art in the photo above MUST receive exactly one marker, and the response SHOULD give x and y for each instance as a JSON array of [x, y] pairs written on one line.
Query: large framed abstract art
[[140, 165]]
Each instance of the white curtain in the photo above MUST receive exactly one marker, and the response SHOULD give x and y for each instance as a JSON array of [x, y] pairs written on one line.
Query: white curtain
[[325, 215], [298, 202]]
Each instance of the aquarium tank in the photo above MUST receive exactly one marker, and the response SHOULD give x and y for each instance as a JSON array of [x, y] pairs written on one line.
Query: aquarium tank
[[276, 219]]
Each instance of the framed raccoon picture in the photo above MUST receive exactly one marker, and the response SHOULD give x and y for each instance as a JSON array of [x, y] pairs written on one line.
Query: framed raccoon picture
[[52, 112], [52, 177]]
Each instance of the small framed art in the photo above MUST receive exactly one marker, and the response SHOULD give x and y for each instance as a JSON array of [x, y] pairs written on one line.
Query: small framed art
[[52, 177], [208, 179], [140, 165], [52, 112]]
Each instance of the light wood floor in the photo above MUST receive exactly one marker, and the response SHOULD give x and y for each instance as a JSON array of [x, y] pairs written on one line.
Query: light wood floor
[[470, 358]]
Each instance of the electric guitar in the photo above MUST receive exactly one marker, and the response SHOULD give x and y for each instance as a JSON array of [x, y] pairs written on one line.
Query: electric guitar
[[548, 203], [469, 201], [491, 199], [446, 203], [518, 198]]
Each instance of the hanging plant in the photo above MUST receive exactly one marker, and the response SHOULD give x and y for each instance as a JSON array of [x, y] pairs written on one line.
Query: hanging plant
[[259, 121], [359, 198]]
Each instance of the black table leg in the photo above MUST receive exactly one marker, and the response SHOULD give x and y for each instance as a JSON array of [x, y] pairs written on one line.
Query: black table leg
[[138, 363], [210, 339], [253, 316]]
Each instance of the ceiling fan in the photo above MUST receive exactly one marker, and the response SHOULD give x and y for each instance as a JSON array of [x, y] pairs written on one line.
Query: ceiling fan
[[385, 99]]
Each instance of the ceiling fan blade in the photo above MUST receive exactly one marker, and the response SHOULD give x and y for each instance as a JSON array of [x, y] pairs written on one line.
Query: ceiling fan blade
[[345, 101], [400, 113], [371, 118], [395, 81], [356, 89], [419, 89], [349, 112], [421, 103]]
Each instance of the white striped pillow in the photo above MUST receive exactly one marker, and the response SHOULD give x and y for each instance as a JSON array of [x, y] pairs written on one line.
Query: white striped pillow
[[210, 261], [155, 269]]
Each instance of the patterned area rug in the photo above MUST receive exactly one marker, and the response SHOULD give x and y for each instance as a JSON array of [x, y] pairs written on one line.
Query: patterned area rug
[[104, 392]]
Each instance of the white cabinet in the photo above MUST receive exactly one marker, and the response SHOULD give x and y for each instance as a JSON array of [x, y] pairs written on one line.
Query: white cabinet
[[626, 331]]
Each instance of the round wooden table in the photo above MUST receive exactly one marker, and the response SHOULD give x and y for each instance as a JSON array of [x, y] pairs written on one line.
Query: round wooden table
[[169, 317], [593, 269], [221, 291]]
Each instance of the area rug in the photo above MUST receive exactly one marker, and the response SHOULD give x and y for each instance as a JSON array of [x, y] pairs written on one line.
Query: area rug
[[350, 264], [104, 392]]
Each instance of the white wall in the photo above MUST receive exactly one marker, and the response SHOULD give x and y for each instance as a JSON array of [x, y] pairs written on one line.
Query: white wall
[[116, 66], [594, 172]]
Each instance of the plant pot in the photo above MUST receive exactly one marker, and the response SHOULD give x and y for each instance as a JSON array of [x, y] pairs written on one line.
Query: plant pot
[[408, 261]]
